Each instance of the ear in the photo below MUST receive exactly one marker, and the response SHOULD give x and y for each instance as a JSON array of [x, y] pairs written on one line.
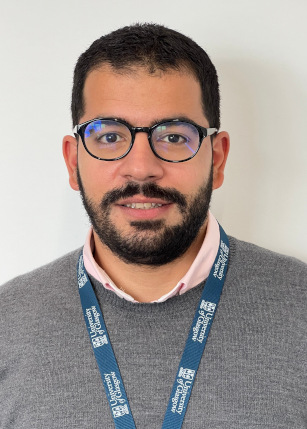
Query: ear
[[70, 153], [220, 149]]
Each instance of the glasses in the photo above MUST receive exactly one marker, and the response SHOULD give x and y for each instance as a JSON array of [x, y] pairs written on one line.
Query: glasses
[[110, 139]]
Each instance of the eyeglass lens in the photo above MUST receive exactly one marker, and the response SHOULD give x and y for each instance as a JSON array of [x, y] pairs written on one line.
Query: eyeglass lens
[[172, 141]]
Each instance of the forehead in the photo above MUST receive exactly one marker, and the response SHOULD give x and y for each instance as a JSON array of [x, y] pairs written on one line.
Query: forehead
[[140, 97]]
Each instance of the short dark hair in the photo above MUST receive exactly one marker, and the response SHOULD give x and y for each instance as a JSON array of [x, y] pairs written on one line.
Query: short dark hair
[[158, 49]]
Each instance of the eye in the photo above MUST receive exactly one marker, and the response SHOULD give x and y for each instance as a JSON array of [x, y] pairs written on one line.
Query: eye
[[173, 139], [109, 138], [106, 133]]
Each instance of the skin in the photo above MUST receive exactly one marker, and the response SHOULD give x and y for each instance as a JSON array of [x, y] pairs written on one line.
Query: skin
[[143, 99]]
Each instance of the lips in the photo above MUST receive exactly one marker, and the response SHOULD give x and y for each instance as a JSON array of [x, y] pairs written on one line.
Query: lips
[[143, 208], [140, 202]]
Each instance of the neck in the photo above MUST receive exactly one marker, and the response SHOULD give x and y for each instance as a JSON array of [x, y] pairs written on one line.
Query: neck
[[146, 283]]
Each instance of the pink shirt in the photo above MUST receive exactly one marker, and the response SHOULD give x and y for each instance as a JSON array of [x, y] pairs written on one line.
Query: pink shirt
[[198, 271]]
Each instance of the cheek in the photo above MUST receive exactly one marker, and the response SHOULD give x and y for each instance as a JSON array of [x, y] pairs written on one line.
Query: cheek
[[194, 173], [97, 177], [189, 180]]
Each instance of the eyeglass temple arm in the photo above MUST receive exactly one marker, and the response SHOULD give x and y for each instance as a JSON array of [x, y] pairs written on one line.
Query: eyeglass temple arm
[[211, 131]]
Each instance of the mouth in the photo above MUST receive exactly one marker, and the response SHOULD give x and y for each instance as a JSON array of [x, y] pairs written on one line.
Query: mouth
[[140, 207], [143, 206]]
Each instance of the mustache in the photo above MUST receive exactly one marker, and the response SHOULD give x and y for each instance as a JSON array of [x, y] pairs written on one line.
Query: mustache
[[149, 190]]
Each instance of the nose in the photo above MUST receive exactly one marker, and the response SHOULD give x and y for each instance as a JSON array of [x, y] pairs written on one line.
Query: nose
[[141, 164]]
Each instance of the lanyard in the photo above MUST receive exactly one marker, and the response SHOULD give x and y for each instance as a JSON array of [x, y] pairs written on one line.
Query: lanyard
[[191, 356]]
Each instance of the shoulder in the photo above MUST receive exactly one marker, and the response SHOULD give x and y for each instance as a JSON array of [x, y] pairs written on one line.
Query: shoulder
[[40, 314], [36, 303], [251, 252], [268, 289], [38, 281], [250, 261]]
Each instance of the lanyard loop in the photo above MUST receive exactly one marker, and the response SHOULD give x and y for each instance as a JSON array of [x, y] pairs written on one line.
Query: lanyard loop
[[191, 356], [103, 351]]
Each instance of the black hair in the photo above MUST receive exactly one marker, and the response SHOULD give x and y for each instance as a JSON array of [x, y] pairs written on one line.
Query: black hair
[[155, 47]]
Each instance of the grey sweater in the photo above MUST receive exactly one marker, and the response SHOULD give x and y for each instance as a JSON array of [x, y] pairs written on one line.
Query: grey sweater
[[252, 374]]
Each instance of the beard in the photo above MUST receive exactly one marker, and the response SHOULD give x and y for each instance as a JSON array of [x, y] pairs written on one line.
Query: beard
[[151, 242]]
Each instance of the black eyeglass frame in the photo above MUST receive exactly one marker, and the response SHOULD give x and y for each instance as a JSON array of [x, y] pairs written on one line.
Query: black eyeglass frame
[[79, 130]]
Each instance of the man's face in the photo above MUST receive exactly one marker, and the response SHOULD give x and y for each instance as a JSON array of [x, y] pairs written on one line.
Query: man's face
[[145, 210]]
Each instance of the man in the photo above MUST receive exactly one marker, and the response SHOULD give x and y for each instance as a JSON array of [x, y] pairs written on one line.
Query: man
[[97, 338]]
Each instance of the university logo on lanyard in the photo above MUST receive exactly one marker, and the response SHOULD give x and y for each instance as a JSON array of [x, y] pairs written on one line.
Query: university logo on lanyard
[[192, 353]]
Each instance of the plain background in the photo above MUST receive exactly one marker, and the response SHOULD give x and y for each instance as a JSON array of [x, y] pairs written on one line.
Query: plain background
[[259, 49]]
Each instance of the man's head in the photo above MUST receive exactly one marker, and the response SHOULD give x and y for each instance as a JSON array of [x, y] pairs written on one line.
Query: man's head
[[155, 48], [145, 210]]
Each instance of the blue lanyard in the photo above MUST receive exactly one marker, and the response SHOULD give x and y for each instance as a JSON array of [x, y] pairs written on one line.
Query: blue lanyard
[[191, 356]]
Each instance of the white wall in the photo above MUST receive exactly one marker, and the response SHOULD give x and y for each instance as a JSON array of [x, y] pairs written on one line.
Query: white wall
[[259, 49]]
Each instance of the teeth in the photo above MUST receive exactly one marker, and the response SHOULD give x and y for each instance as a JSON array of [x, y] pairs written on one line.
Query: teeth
[[143, 206]]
